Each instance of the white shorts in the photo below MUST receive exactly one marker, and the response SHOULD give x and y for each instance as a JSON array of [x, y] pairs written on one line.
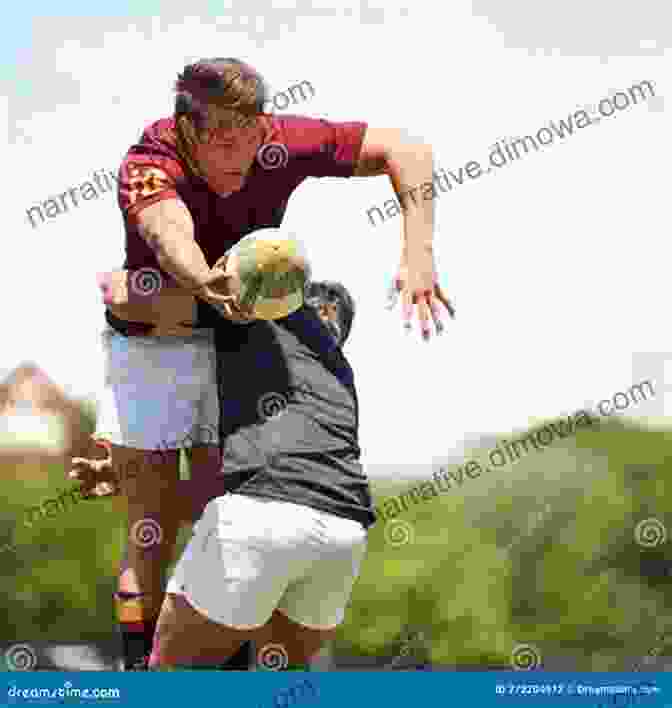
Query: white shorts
[[160, 393], [249, 556]]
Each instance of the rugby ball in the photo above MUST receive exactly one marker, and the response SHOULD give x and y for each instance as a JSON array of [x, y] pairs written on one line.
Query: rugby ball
[[271, 270]]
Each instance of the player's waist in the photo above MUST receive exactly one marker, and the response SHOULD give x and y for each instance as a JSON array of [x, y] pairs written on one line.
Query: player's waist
[[203, 321]]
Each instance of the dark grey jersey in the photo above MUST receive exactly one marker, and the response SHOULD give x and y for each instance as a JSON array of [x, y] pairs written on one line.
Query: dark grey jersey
[[289, 415]]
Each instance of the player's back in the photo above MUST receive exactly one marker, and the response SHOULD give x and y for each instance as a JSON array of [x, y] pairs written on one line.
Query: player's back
[[289, 415]]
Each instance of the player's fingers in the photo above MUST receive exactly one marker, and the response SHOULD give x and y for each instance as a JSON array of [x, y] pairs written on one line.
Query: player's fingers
[[436, 315], [238, 314], [229, 308], [222, 284], [86, 484], [221, 274], [224, 308], [219, 300], [423, 314], [407, 308], [81, 469], [86, 491], [105, 489], [440, 295], [86, 487], [89, 472], [244, 311]]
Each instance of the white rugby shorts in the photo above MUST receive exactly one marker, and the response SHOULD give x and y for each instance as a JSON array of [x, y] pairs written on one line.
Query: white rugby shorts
[[249, 556], [160, 393]]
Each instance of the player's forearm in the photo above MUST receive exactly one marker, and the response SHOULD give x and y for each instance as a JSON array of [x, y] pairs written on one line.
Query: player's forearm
[[184, 260], [410, 170], [168, 229]]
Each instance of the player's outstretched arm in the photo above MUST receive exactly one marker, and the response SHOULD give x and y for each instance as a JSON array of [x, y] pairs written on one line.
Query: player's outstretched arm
[[168, 229], [409, 164], [264, 273]]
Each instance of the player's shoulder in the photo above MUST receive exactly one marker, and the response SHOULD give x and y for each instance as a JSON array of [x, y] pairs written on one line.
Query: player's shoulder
[[298, 132], [156, 147], [159, 135], [304, 134]]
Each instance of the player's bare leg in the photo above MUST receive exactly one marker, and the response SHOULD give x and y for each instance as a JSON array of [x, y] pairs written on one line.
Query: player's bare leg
[[149, 490], [282, 643], [185, 638], [142, 575], [205, 481]]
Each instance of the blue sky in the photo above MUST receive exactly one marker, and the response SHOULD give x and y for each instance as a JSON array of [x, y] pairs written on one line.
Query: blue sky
[[19, 19], [557, 262]]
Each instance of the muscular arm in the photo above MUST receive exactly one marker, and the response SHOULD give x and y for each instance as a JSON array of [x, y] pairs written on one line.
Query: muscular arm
[[168, 229], [409, 164]]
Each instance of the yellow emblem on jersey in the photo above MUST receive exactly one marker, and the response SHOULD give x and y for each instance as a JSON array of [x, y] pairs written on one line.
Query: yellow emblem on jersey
[[145, 181]]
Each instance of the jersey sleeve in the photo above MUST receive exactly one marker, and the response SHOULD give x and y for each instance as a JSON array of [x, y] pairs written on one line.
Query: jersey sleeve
[[144, 180], [327, 148]]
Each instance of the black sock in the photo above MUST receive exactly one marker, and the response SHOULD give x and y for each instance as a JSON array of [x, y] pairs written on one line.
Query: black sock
[[137, 639], [137, 633], [240, 661]]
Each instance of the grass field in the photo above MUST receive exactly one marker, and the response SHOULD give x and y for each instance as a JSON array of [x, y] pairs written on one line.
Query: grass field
[[542, 552]]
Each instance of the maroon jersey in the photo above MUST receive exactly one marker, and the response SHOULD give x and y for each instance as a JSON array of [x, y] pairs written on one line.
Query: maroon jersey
[[296, 148]]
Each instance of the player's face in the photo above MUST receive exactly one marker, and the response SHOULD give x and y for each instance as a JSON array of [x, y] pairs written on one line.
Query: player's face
[[226, 157], [327, 303]]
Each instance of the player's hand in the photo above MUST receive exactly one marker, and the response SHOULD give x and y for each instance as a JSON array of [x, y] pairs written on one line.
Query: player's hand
[[418, 284], [96, 476], [221, 290], [114, 287]]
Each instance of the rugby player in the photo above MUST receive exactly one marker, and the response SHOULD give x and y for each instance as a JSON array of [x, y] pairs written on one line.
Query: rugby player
[[191, 187], [294, 369], [274, 560]]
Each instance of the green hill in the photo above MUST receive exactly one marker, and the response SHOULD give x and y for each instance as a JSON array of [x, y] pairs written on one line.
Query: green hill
[[541, 551]]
